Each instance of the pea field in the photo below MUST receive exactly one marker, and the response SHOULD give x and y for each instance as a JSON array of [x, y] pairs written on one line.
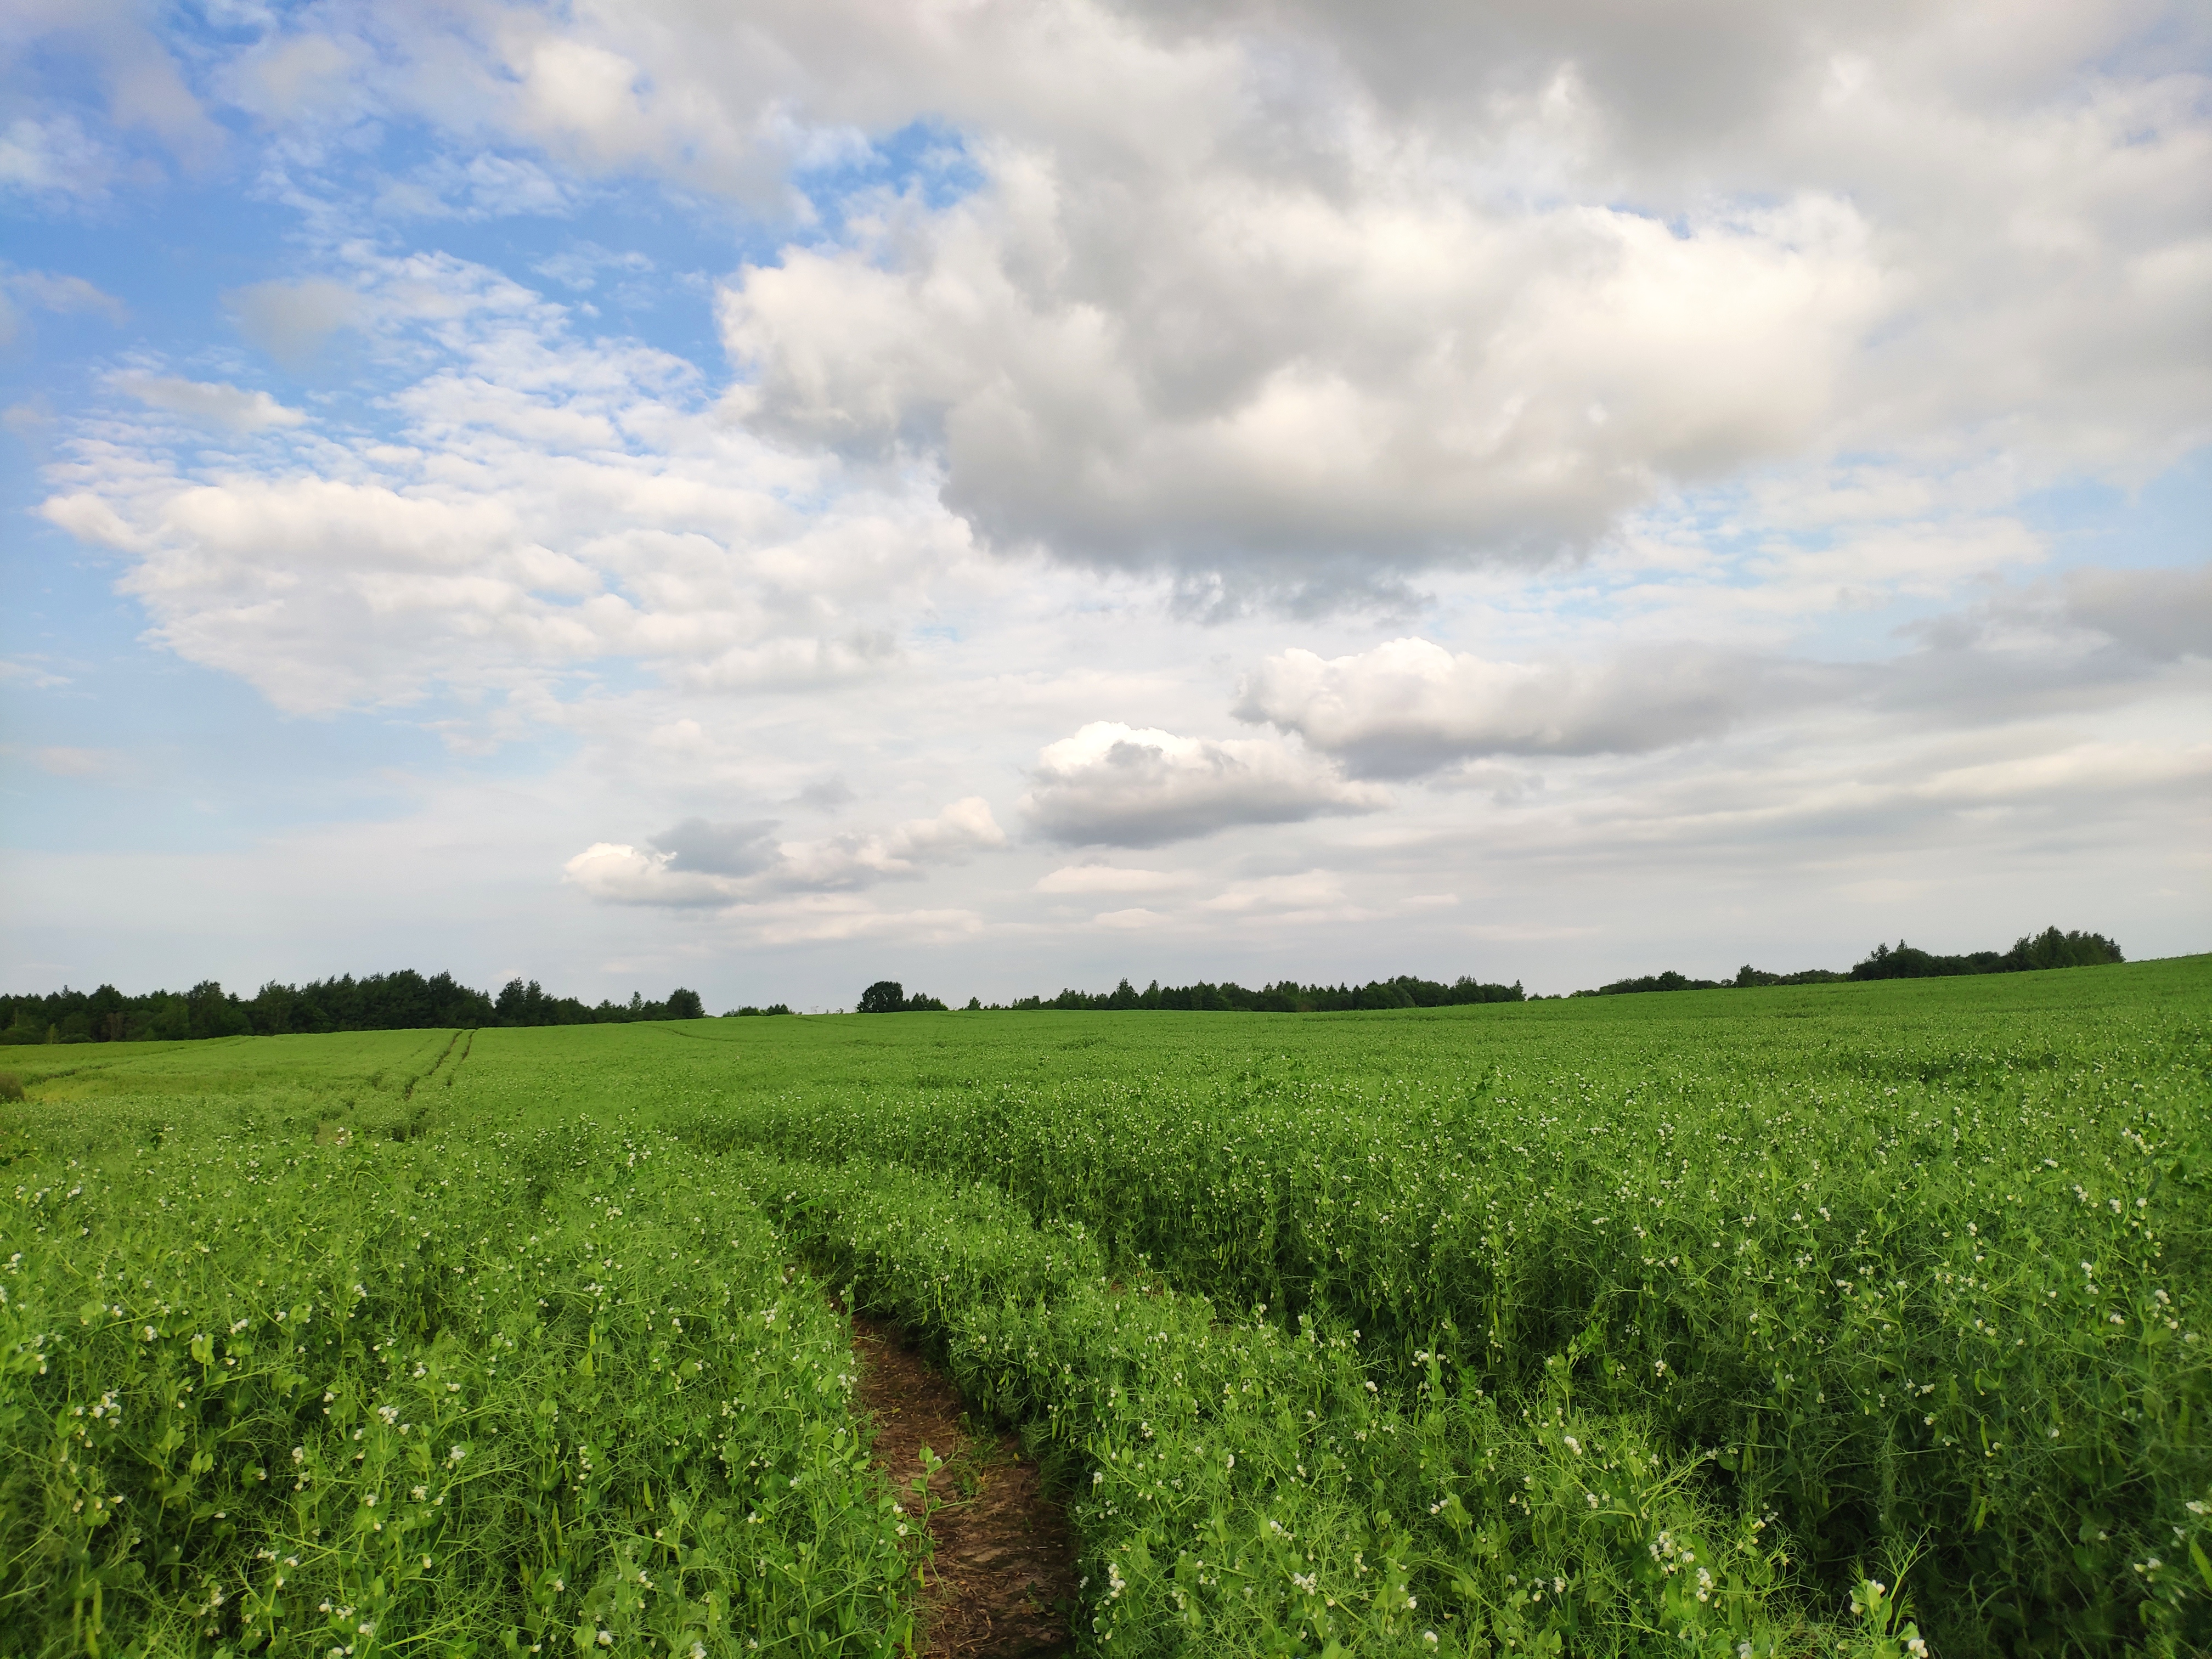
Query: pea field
[[1859, 1319]]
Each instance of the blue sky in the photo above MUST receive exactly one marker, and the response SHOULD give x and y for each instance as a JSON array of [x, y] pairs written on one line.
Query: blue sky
[[774, 498]]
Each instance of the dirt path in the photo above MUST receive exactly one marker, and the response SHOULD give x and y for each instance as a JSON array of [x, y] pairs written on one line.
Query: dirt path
[[1003, 1574]]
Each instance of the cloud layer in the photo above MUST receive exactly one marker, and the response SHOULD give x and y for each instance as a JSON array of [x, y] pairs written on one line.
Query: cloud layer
[[1409, 706], [546, 502], [700, 863], [1113, 785], [1297, 296]]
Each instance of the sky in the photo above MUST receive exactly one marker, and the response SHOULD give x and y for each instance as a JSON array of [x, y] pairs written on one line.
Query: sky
[[771, 496]]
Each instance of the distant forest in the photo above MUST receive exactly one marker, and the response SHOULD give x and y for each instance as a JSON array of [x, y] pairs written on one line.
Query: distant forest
[[407, 1000], [2049, 949], [403, 1001], [1285, 997]]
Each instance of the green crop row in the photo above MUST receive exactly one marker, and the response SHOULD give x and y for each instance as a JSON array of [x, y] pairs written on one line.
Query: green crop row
[[547, 1390], [1241, 1490], [1953, 1304]]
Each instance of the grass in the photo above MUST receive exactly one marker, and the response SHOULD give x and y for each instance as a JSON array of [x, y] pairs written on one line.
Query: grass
[[270, 1388], [1836, 1318]]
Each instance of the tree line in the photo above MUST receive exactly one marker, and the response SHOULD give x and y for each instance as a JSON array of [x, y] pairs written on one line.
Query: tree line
[[405, 1000], [1287, 996], [2052, 948]]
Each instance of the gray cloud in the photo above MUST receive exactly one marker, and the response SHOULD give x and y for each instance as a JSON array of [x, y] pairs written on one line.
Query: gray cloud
[[291, 320], [2090, 639], [1110, 784], [213, 403], [828, 794], [1409, 706], [702, 865], [1298, 389], [2161, 614], [720, 849], [1352, 294]]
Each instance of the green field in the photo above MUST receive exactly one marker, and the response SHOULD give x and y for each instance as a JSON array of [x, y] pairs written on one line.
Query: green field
[[1864, 1318]]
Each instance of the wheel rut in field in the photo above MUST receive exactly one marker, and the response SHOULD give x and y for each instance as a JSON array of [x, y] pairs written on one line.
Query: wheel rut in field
[[1002, 1571]]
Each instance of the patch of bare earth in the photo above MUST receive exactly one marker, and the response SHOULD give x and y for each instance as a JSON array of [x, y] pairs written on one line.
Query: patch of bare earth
[[1002, 1574]]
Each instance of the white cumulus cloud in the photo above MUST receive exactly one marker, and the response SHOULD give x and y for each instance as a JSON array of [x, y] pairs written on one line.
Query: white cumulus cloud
[[1295, 297], [551, 503], [1280, 380]]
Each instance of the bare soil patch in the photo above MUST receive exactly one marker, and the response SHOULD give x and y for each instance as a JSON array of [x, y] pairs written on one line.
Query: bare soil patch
[[1002, 1575]]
